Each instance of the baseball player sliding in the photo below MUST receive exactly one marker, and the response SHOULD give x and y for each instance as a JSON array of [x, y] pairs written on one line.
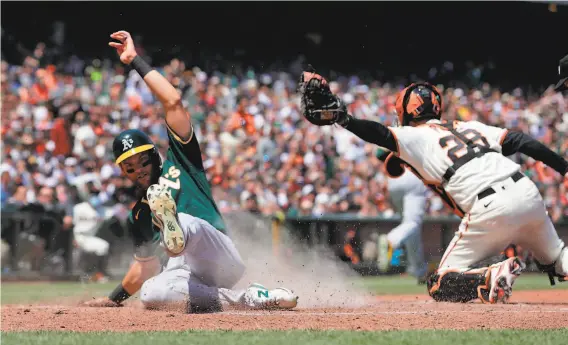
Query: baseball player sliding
[[204, 264], [465, 162], [408, 196]]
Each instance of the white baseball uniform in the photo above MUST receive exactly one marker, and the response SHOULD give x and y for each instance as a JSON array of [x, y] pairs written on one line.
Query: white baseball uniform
[[514, 213], [205, 272], [86, 223], [408, 196]]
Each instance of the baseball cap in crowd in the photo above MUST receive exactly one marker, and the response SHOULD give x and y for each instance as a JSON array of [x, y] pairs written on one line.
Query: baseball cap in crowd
[[563, 72]]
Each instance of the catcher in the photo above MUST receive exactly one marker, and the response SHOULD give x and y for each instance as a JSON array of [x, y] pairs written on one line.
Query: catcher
[[465, 162], [204, 263]]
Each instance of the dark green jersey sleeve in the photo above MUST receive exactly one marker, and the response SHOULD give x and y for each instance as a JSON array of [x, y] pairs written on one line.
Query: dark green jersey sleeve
[[187, 151], [144, 235], [382, 154]]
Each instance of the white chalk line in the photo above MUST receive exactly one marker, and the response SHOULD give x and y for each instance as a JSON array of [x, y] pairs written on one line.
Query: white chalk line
[[426, 313], [286, 313]]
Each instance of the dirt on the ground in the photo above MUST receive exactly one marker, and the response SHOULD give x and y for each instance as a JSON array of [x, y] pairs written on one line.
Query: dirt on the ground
[[526, 310]]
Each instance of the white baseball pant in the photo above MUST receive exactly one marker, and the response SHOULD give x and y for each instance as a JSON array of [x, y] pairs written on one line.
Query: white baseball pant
[[92, 244], [408, 196], [514, 214], [204, 273]]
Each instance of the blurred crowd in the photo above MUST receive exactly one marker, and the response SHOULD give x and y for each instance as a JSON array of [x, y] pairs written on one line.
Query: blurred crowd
[[58, 124]]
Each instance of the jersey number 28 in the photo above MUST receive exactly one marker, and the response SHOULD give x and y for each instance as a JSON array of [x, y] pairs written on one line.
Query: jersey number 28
[[171, 179], [456, 148]]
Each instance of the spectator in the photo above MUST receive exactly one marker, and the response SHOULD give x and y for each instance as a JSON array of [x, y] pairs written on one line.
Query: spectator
[[88, 220], [258, 151]]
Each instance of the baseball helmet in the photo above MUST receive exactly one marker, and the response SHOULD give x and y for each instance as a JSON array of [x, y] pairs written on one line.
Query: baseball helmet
[[417, 102], [131, 142]]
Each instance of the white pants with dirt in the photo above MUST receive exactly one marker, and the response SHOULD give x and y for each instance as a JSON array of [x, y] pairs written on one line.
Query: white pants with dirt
[[203, 274], [408, 196], [515, 213]]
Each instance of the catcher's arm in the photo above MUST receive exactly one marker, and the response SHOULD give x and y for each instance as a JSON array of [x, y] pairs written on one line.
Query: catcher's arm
[[371, 132], [516, 141], [321, 107]]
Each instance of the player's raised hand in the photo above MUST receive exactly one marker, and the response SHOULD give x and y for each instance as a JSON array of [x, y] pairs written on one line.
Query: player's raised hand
[[124, 48]]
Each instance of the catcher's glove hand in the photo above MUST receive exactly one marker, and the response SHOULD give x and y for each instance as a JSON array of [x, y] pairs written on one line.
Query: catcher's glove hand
[[319, 105]]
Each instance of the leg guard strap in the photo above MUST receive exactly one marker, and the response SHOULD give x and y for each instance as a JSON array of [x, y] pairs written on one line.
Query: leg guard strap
[[550, 271]]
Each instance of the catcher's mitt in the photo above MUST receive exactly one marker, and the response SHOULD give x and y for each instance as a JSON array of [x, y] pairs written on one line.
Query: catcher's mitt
[[319, 105]]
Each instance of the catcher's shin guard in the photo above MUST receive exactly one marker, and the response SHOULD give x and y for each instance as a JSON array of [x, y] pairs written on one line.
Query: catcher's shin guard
[[550, 270], [455, 286]]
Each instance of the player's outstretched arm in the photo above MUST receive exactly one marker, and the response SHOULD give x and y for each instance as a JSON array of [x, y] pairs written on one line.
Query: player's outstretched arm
[[139, 272], [516, 141], [372, 132], [177, 117]]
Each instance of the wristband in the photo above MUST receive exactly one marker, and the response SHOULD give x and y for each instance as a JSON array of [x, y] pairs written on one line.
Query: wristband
[[119, 294], [141, 66]]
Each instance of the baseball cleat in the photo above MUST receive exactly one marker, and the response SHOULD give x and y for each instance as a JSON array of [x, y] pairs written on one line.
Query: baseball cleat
[[164, 208], [384, 256], [503, 277], [259, 297]]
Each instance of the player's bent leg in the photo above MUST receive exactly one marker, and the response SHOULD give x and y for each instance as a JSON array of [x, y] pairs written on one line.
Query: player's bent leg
[[561, 265], [417, 265], [414, 206], [178, 289], [212, 255], [456, 286], [549, 251], [205, 298], [92, 245], [167, 289], [457, 281], [491, 284], [97, 249]]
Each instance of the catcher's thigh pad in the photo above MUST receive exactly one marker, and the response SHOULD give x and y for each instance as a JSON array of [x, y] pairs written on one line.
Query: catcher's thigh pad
[[456, 286]]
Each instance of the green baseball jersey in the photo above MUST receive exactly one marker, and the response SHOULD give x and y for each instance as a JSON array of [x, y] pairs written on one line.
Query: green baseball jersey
[[183, 174]]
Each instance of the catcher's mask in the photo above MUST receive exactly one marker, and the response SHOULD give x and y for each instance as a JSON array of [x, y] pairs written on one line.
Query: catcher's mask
[[417, 102]]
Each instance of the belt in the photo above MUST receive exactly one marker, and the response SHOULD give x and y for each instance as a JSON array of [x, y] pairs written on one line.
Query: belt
[[516, 176]]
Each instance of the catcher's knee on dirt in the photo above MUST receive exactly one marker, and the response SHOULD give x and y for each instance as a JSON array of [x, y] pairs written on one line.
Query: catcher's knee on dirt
[[454, 286]]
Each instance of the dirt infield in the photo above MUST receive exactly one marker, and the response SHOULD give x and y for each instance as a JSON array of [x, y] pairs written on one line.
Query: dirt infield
[[528, 310]]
